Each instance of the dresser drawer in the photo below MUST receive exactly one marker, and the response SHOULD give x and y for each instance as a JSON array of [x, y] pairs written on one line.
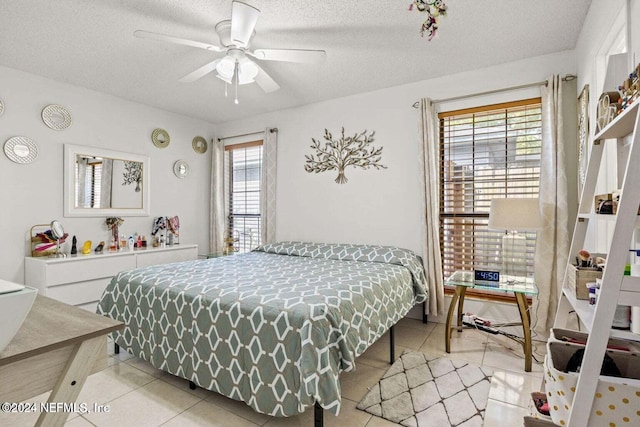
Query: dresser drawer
[[81, 280], [88, 269], [146, 259], [80, 292]]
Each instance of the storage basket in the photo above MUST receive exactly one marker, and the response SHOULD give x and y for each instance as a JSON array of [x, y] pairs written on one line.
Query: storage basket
[[617, 399], [613, 344], [579, 277], [41, 245]]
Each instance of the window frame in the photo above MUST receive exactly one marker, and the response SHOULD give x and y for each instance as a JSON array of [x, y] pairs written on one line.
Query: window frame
[[497, 296], [229, 215]]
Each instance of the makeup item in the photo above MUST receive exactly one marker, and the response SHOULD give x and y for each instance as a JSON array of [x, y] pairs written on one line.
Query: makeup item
[[592, 293], [139, 242], [131, 243], [74, 248]]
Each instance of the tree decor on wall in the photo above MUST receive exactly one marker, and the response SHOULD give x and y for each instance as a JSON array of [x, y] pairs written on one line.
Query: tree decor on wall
[[132, 174], [434, 9], [343, 152]]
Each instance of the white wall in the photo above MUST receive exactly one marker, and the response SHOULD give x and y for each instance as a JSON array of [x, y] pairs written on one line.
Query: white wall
[[375, 206], [383, 206], [33, 193], [598, 39]]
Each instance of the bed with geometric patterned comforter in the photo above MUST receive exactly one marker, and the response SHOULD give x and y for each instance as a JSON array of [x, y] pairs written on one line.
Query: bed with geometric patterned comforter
[[274, 327]]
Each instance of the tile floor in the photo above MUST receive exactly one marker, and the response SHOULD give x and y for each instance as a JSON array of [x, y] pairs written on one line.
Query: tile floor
[[140, 395]]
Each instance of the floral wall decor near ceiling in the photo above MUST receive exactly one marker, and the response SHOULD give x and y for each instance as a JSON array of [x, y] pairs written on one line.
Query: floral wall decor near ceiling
[[132, 174], [434, 9], [337, 154]]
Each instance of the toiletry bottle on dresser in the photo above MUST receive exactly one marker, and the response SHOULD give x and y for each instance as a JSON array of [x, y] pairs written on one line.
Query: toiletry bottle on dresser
[[131, 243]]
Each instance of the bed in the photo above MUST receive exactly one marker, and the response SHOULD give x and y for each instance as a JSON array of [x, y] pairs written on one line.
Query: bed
[[274, 327]]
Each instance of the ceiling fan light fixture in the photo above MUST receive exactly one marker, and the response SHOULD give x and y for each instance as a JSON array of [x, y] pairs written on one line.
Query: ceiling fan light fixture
[[247, 71], [224, 79], [225, 68]]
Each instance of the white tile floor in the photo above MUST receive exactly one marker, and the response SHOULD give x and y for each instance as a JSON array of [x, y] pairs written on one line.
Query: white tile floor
[[140, 395]]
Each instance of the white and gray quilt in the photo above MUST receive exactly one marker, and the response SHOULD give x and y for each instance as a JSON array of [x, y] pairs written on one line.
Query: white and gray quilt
[[274, 327]]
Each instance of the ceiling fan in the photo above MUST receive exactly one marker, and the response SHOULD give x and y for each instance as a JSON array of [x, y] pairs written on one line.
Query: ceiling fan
[[235, 67]]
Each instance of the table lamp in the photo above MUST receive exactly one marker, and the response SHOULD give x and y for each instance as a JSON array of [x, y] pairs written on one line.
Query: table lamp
[[514, 215]]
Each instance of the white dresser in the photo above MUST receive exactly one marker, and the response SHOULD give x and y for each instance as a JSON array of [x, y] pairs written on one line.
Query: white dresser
[[80, 280]]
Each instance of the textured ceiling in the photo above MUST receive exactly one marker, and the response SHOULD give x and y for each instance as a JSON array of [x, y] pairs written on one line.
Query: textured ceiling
[[370, 45]]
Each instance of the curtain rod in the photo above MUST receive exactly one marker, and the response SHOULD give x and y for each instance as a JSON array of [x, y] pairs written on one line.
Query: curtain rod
[[272, 130], [566, 78]]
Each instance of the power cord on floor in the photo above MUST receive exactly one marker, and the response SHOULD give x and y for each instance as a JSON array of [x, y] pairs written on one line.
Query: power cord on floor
[[494, 328]]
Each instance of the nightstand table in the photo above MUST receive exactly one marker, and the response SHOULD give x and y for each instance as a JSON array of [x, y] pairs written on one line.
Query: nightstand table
[[520, 286], [56, 348]]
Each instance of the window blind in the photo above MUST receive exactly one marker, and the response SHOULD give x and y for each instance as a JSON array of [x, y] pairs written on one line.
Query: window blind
[[485, 153], [244, 170]]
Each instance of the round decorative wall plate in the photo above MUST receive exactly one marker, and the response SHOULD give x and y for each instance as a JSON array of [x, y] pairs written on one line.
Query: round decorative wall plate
[[160, 138], [21, 149], [199, 144], [56, 117], [1, 107], [181, 168]]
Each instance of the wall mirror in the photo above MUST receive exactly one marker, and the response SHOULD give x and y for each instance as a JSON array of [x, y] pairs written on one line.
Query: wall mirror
[[101, 182]]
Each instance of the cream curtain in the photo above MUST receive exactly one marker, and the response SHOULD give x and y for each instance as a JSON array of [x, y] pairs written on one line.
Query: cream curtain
[[430, 185], [217, 219], [82, 163], [552, 244], [106, 183], [268, 186]]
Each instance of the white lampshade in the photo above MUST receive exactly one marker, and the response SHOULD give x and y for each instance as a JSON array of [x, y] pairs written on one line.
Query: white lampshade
[[515, 214], [226, 68], [247, 70]]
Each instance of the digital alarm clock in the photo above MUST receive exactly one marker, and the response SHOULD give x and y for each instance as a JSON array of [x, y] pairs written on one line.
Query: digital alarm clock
[[487, 275]]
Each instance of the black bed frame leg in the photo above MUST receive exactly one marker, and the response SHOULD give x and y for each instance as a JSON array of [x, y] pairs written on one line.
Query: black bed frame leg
[[392, 346], [424, 312], [192, 385], [116, 348], [318, 415]]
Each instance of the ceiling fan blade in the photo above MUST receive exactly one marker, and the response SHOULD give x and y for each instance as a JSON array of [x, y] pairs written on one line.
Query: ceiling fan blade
[[265, 81], [243, 22], [200, 72], [290, 55], [164, 38]]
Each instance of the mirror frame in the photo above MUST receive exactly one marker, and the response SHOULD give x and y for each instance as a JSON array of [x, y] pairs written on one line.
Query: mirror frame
[[70, 154]]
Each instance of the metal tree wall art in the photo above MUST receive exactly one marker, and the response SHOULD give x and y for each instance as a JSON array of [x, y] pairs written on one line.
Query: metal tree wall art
[[345, 151], [132, 173]]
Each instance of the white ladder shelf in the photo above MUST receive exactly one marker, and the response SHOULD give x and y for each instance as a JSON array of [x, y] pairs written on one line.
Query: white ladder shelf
[[616, 288]]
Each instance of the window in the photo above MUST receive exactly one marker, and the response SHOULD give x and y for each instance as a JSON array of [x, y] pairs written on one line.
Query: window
[[243, 164], [485, 153]]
